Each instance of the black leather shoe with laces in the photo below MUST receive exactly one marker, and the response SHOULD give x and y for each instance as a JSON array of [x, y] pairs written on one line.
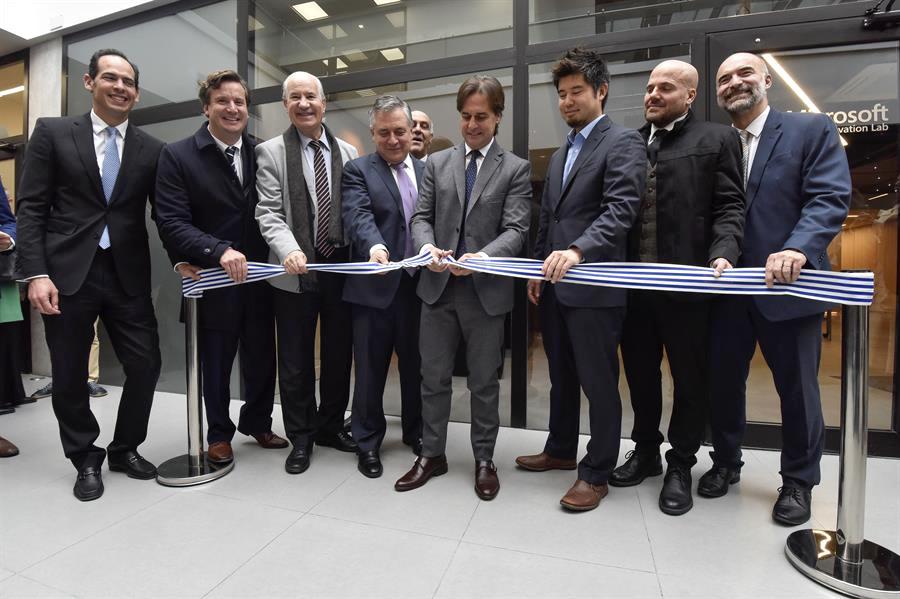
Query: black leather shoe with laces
[[638, 466], [793, 506], [675, 498], [716, 480]]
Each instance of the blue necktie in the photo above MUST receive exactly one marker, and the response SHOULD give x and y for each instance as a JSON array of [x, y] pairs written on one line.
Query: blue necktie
[[471, 173], [109, 175], [575, 144]]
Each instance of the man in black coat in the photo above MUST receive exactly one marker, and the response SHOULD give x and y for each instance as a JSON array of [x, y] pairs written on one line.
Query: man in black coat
[[691, 213], [83, 248], [206, 200]]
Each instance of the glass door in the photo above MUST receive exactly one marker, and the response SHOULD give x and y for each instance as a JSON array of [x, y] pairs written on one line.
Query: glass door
[[856, 84]]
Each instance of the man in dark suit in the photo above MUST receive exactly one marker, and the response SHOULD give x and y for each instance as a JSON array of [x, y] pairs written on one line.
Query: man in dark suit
[[692, 213], [205, 206], [379, 193], [83, 248], [475, 199], [299, 215], [798, 194], [591, 198]]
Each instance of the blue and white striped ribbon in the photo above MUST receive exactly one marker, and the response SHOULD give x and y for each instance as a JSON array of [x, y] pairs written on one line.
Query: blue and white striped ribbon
[[217, 278], [852, 288]]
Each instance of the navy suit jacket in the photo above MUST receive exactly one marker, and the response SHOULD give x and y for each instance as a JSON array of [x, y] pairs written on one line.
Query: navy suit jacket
[[595, 208], [798, 195], [7, 220], [373, 213], [202, 210]]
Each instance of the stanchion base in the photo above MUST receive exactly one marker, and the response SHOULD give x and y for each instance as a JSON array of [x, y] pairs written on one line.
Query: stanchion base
[[814, 553], [178, 472]]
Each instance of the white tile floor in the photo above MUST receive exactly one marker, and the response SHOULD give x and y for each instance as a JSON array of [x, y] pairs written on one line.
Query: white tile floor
[[330, 532]]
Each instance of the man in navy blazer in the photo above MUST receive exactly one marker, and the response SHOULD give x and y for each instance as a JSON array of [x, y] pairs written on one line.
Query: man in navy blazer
[[591, 199], [379, 194], [206, 200], [797, 195]]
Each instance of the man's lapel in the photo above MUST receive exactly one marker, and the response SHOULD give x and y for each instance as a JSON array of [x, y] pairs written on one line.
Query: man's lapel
[[83, 135], [767, 140], [384, 171], [458, 165], [489, 165], [590, 144]]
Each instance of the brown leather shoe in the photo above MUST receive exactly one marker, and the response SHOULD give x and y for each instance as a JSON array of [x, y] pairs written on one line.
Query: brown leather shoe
[[487, 485], [219, 452], [543, 462], [584, 496], [7, 449], [422, 470], [270, 440]]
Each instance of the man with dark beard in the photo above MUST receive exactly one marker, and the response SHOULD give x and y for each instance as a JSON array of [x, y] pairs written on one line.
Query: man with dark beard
[[692, 213], [797, 195]]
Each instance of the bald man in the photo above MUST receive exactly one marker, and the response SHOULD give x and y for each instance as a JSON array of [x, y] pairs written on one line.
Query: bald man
[[798, 193], [422, 134], [692, 212]]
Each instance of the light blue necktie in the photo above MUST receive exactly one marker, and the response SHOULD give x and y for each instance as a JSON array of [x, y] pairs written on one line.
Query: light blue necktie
[[574, 148], [109, 174]]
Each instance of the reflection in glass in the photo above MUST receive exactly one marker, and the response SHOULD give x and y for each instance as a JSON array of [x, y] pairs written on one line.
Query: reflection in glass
[[12, 99], [557, 20], [629, 72], [357, 35], [172, 53]]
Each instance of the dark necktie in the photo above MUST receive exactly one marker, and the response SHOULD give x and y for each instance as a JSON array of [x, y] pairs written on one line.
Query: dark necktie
[[471, 173], [409, 195], [653, 148], [323, 200], [230, 151]]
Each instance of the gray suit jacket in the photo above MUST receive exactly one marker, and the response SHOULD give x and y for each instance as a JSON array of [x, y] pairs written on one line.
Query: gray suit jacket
[[273, 212], [497, 220]]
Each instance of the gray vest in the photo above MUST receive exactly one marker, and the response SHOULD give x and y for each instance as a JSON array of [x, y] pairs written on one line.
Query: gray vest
[[647, 245]]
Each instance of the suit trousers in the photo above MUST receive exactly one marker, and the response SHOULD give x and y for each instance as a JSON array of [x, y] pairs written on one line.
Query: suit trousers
[[581, 346], [654, 321], [254, 337], [792, 349], [458, 313], [131, 325], [11, 389], [296, 317], [376, 335]]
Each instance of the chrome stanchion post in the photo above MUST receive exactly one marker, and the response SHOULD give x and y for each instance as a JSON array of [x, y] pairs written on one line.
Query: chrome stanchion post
[[192, 468], [843, 560]]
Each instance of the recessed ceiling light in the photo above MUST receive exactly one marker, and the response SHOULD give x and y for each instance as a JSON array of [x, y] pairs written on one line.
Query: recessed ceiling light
[[384, 2], [355, 55], [361, 26], [340, 63], [397, 19], [254, 25], [393, 54], [310, 11], [12, 90], [366, 92]]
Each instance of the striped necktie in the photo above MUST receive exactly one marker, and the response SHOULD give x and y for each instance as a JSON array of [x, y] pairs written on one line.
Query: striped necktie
[[323, 200], [230, 152], [746, 136], [108, 175]]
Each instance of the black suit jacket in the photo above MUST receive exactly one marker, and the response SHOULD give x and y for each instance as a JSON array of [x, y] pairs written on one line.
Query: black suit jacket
[[595, 208], [202, 210], [699, 195], [62, 209], [373, 214]]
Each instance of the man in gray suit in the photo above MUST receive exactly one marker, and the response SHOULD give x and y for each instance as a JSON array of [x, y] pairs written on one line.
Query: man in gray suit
[[298, 181], [475, 200]]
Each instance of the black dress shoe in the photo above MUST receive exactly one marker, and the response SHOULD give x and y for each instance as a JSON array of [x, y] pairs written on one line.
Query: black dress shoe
[[793, 506], [298, 460], [370, 464], [637, 467], [89, 484], [132, 464], [7, 408], [675, 498], [341, 441], [716, 480]]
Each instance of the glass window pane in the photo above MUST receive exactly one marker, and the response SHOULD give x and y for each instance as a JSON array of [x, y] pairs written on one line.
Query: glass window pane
[[357, 35], [12, 99], [195, 42], [629, 72], [565, 19]]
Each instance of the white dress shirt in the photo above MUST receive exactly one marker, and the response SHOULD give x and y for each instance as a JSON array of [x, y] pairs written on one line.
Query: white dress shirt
[[755, 129]]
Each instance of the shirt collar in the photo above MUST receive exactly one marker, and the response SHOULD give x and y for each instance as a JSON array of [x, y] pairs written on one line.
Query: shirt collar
[[484, 151], [322, 138], [99, 125], [669, 127], [585, 131], [756, 125], [224, 146]]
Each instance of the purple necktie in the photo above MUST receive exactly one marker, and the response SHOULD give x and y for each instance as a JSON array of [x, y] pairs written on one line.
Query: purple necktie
[[409, 195]]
